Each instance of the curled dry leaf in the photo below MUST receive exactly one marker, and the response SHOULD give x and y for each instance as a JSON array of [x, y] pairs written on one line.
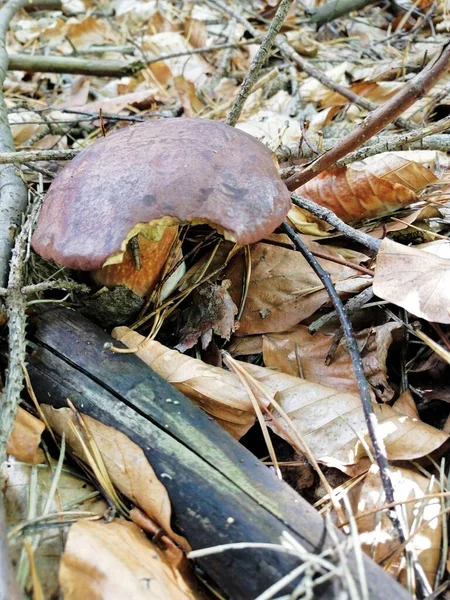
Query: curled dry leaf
[[26, 437], [115, 560], [283, 289], [212, 312], [218, 392], [307, 223], [378, 537], [126, 463], [375, 186], [331, 422], [414, 279]]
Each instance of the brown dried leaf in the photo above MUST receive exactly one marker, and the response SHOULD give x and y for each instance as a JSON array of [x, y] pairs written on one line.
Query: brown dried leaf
[[116, 560], [126, 463], [90, 31], [298, 353], [414, 279], [191, 103], [212, 312], [26, 437], [283, 289], [375, 186], [193, 68], [218, 392], [378, 537]]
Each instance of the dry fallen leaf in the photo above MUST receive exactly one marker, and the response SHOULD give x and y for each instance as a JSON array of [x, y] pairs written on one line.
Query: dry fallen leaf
[[298, 353], [414, 279], [378, 538], [216, 391], [283, 289], [376, 185], [113, 561], [126, 463], [26, 437], [193, 67], [331, 422]]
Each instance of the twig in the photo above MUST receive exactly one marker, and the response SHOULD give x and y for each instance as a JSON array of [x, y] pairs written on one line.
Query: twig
[[15, 310], [329, 217], [392, 143], [335, 9], [204, 50], [351, 307], [77, 66], [385, 143], [378, 119], [13, 193], [59, 284], [29, 156], [258, 61], [395, 515]]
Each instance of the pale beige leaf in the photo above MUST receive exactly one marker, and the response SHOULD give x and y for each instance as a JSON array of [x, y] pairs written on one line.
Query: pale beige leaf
[[416, 280], [331, 422], [283, 289], [193, 68], [272, 129], [333, 425], [378, 536], [307, 223], [26, 437], [218, 392], [113, 561], [126, 463]]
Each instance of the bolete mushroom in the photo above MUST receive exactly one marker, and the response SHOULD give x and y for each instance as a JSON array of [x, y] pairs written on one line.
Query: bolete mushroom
[[146, 179]]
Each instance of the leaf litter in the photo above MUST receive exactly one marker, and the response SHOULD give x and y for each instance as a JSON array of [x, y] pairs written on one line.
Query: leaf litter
[[258, 303]]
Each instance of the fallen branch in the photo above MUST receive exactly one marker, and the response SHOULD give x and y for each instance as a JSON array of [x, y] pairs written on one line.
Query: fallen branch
[[385, 143], [335, 9], [396, 142], [364, 392], [377, 120], [258, 61], [329, 217], [77, 66], [15, 309], [13, 193]]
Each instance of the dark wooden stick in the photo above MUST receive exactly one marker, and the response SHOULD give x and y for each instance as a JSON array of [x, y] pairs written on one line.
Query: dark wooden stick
[[220, 493], [70, 64]]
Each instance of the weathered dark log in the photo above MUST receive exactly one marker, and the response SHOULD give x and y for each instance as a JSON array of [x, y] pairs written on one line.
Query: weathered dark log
[[220, 493]]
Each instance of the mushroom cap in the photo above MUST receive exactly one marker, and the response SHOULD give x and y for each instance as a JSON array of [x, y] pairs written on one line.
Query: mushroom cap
[[159, 173]]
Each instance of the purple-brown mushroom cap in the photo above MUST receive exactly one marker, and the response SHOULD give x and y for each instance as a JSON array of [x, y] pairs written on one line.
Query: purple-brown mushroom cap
[[175, 170]]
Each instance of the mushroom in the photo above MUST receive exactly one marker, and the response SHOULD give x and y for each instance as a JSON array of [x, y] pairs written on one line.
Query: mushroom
[[140, 182]]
